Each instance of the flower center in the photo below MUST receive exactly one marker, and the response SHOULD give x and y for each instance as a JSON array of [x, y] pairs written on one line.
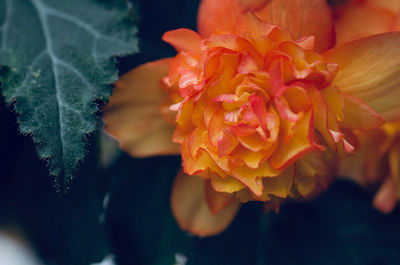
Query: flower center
[[245, 105]]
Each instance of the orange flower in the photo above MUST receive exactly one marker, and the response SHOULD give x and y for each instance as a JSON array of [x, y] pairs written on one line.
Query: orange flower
[[256, 104], [378, 161]]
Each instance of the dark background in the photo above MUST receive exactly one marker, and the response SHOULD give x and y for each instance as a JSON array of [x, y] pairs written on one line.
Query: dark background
[[339, 227]]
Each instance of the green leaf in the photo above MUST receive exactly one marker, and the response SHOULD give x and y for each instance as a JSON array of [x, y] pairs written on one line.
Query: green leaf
[[58, 58]]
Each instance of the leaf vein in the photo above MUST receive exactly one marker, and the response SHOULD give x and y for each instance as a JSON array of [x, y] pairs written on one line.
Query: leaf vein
[[82, 24], [76, 71], [46, 31], [72, 19], [6, 24]]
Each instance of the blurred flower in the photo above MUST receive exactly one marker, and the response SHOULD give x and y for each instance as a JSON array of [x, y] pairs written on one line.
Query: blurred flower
[[108, 260], [180, 259], [378, 161], [255, 103], [15, 250]]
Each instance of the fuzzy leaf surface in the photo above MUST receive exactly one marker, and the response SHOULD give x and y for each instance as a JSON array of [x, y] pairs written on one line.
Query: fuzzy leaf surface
[[57, 60]]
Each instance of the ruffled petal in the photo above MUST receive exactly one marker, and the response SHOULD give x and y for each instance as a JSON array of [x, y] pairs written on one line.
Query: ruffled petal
[[302, 18], [250, 23], [299, 145], [133, 114], [226, 184], [280, 185], [369, 69], [191, 210]]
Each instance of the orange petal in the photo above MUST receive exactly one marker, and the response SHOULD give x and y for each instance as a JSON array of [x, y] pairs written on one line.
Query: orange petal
[[392, 5], [321, 117], [133, 114], [251, 159], [369, 69], [308, 169], [217, 201], [305, 184], [227, 143], [251, 177], [217, 16], [299, 145], [252, 5], [280, 185], [357, 115], [302, 18], [386, 197], [334, 100], [351, 23], [183, 40], [250, 23], [298, 99], [198, 164], [273, 205], [226, 184], [191, 210], [365, 167], [353, 168]]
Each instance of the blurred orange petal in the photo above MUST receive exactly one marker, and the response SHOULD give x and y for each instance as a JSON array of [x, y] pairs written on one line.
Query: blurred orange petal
[[393, 5], [191, 210], [217, 16], [217, 201], [352, 167], [350, 24], [308, 169], [252, 5], [183, 40], [387, 195], [133, 114], [370, 71]]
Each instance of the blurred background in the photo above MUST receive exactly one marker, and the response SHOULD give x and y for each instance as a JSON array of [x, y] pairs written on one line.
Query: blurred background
[[117, 209]]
